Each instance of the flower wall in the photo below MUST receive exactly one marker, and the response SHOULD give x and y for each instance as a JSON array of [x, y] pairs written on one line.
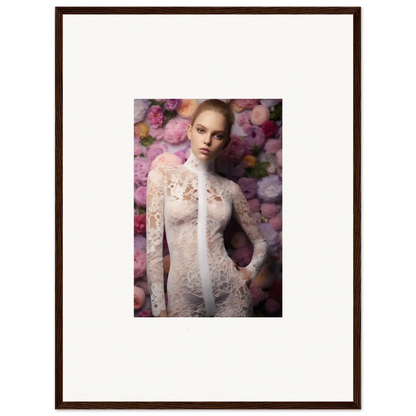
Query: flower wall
[[253, 160]]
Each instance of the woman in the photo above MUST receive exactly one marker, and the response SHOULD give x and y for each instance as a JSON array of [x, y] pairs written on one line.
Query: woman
[[195, 204]]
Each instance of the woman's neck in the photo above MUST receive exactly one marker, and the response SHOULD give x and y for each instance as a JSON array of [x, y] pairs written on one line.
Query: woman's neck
[[196, 164]]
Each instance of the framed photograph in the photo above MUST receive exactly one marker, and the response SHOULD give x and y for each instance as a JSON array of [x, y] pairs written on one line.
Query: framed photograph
[[178, 207]]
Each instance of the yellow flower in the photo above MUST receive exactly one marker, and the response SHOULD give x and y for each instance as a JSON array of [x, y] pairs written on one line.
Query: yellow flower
[[141, 129], [250, 160], [236, 107]]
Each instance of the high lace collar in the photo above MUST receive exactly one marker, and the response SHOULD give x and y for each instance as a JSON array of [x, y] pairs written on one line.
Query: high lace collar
[[198, 165]]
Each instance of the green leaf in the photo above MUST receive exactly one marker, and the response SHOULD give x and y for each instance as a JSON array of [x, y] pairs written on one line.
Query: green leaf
[[147, 141], [142, 211], [256, 150], [159, 103]]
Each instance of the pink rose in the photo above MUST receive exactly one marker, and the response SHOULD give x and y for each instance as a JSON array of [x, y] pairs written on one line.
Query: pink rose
[[176, 130], [155, 116], [157, 134], [234, 152], [139, 297], [276, 223], [137, 150], [269, 209], [243, 118], [140, 224], [269, 128], [140, 196], [181, 154], [166, 159], [139, 263], [141, 170], [259, 115], [254, 204], [272, 145]]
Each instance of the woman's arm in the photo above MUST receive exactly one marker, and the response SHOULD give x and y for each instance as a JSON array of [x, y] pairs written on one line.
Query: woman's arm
[[244, 216], [155, 205]]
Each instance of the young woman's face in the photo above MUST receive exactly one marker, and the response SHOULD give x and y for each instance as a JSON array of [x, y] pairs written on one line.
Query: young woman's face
[[208, 132]]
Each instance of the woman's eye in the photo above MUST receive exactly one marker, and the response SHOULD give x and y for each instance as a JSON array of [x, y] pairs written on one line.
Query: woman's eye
[[199, 130]]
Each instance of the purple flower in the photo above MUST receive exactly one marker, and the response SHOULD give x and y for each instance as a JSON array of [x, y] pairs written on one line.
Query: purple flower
[[269, 188], [140, 109], [248, 186], [239, 169], [272, 237], [255, 135], [270, 103], [172, 104], [139, 242]]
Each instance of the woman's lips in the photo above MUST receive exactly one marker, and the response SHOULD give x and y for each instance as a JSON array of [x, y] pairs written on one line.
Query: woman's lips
[[203, 150]]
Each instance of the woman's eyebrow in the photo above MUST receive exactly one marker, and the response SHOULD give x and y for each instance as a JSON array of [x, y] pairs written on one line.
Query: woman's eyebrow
[[217, 131]]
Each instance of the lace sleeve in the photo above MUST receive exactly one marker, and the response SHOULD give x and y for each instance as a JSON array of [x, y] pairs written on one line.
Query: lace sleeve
[[245, 218], [154, 238]]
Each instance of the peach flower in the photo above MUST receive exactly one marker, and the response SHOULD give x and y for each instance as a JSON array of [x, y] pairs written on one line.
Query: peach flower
[[166, 159], [259, 115], [249, 103], [187, 108], [139, 297]]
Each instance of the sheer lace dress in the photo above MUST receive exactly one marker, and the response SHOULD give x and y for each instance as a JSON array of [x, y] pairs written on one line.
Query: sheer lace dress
[[194, 204]]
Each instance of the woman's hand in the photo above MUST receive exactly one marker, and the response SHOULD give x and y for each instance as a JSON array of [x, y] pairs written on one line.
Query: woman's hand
[[246, 274], [163, 314]]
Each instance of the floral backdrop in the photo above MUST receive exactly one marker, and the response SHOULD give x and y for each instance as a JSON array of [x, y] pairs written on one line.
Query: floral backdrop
[[253, 160]]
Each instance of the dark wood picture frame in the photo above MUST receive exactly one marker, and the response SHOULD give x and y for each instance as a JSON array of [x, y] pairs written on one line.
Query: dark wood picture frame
[[356, 14]]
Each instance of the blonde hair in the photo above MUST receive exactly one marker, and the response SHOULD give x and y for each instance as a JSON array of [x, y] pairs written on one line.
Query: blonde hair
[[220, 107]]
